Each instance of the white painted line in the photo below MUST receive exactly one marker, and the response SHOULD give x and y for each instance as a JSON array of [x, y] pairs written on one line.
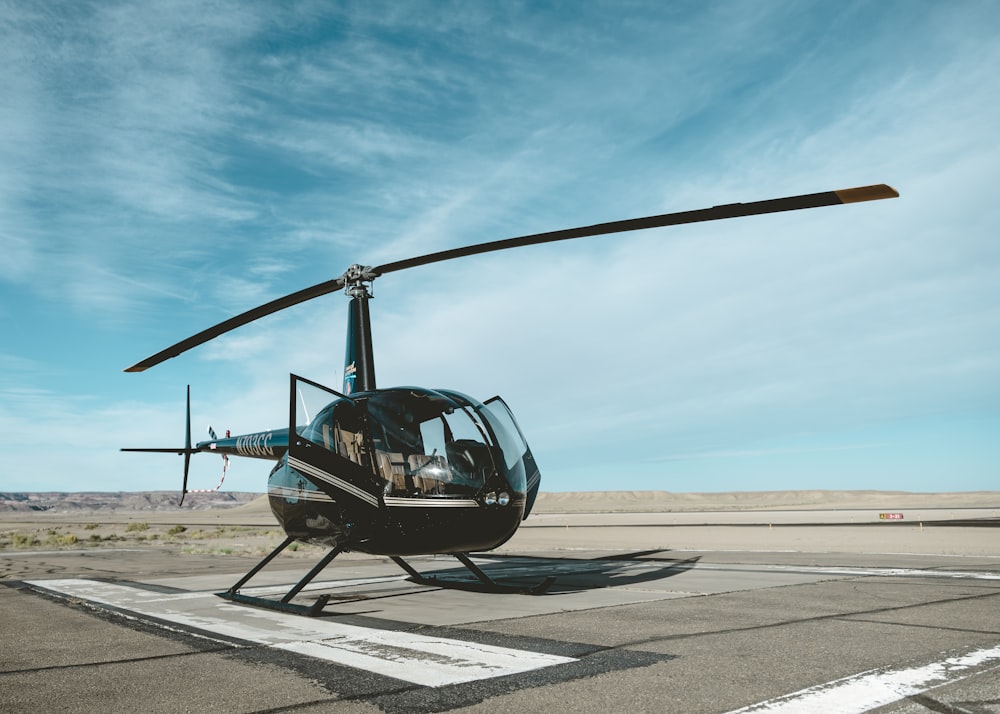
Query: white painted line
[[855, 572], [420, 659], [868, 690], [822, 552], [896, 572]]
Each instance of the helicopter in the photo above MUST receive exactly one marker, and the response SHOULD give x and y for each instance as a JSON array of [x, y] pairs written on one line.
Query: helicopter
[[407, 471]]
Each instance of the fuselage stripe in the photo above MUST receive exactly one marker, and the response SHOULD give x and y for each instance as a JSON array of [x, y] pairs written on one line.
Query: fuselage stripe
[[431, 502], [353, 490], [301, 495]]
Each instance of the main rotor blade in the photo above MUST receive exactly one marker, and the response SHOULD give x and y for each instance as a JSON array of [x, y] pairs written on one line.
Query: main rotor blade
[[732, 210], [330, 286]]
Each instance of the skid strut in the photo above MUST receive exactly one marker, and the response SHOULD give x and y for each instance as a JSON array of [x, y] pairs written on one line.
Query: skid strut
[[285, 604], [485, 584]]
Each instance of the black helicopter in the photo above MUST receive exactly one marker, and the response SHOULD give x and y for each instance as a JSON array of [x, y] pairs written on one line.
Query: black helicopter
[[408, 470]]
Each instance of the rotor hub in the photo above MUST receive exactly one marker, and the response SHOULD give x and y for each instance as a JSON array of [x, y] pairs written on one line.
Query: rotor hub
[[357, 280]]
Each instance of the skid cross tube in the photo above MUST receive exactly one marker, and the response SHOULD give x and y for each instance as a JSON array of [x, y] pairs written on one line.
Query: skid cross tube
[[285, 604]]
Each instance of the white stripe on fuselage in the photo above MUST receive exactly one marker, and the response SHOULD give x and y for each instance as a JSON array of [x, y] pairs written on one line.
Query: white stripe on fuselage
[[415, 502], [339, 483]]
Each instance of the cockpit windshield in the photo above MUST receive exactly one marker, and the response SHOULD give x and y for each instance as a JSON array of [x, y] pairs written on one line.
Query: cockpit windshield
[[421, 443], [512, 443], [429, 444]]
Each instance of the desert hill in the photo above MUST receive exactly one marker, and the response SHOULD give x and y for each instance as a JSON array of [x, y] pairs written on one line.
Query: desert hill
[[579, 502], [121, 501], [666, 501]]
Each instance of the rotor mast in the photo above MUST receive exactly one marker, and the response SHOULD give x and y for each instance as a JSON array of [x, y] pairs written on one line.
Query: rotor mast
[[359, 358]]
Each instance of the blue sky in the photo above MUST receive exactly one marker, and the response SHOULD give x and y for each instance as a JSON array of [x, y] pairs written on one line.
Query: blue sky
[[164, 166]]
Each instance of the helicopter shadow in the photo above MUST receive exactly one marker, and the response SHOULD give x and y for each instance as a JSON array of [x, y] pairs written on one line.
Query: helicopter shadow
[[571, 574]]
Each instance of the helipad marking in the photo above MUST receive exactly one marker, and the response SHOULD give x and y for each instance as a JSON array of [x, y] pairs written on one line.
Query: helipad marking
[[420, 659], [857, 572], [868, 690]]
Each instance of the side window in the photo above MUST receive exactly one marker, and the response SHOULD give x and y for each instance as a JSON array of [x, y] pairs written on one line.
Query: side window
[[337, 428]]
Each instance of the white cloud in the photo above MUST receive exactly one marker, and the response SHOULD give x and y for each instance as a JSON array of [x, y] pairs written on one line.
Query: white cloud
[[166, 167]]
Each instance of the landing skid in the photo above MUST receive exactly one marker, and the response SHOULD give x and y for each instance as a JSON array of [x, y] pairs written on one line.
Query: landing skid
[[285, 604], [485, 583]]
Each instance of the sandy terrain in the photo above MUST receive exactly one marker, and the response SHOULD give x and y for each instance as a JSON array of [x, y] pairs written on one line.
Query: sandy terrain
[[786, 520], [663, 501]]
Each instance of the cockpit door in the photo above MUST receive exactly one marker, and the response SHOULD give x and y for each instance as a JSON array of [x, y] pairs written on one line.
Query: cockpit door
[[326, 444], [515, 448]]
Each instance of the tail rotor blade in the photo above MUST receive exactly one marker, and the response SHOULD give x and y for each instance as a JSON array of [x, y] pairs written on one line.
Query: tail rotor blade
[[187, 448], [184, 486]]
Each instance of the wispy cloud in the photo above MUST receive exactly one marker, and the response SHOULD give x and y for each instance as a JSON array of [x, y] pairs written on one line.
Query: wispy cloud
[[766, 453], [164, 167]]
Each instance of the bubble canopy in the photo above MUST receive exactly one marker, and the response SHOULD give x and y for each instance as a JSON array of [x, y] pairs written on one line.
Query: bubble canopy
[[425, 443]]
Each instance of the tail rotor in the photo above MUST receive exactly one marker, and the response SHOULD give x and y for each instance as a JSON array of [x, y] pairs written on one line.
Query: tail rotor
[[187, 448], [186, 451]]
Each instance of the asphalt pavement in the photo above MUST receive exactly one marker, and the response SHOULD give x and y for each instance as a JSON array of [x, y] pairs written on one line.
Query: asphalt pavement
[[765, 629]]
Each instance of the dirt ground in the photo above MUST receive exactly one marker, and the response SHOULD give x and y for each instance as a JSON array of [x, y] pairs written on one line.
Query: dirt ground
[[251, 531]]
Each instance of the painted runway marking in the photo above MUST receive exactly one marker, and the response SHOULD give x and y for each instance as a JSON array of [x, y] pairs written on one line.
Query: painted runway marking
[[868, 690], [419, 659], [855, 572]]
